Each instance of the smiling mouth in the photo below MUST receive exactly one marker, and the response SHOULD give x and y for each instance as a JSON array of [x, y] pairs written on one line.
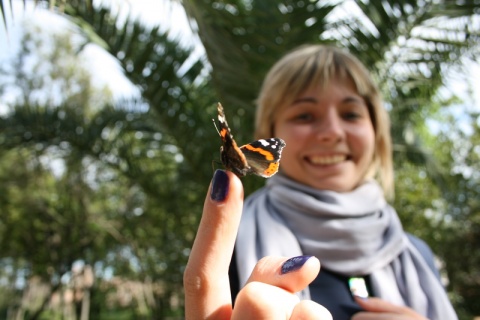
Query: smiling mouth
[[327, 160]]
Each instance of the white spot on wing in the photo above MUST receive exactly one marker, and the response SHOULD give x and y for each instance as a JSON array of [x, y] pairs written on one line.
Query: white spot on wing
[[264, 142]]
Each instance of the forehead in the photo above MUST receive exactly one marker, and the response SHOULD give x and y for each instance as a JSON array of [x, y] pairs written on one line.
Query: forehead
[[317, 86], [325, 88]]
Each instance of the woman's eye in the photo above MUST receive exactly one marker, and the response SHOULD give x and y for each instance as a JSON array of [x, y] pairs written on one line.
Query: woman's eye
[[351, 115], [303, 117]]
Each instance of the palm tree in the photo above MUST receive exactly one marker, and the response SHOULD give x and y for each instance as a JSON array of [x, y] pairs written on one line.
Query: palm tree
[[407, 44]]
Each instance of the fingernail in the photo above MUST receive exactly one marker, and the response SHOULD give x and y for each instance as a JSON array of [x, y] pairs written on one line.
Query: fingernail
[[220, 185], [293, 264]]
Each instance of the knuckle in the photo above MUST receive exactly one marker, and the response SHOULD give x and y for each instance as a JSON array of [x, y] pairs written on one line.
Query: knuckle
[[263, 265], [194, 283]]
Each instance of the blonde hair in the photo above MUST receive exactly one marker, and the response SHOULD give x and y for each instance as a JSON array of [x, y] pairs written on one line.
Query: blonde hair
[[314, 65]]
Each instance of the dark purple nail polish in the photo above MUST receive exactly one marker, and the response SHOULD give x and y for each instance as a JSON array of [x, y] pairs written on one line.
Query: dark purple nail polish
[[220, 185], [293, 264]]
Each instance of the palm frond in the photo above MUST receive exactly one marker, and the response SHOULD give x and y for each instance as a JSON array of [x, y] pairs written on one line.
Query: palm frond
[[243, 39]]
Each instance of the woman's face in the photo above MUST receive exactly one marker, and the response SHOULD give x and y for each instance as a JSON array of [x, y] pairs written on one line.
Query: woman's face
[[329, 135]]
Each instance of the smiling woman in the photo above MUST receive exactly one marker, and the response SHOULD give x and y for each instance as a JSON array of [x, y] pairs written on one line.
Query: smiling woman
[[328, 201]]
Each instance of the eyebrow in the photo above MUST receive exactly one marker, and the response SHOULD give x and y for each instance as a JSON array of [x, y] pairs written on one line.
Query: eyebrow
[[304, 99], [354, 99], [314, 100]]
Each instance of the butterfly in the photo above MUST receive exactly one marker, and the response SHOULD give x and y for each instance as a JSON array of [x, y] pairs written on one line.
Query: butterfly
[[261, 157]]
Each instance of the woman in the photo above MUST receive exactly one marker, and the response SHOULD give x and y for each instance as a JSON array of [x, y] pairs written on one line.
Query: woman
[[327, 202]]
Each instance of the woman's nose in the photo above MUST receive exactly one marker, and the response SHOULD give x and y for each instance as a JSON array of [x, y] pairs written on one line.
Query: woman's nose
[[329, 127]]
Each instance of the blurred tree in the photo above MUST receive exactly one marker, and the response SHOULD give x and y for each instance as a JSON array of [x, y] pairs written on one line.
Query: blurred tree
[[53, 212], [460, 228], [148, 217]]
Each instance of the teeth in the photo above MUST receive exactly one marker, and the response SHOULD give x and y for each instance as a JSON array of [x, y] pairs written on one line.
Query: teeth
[[325, 160]]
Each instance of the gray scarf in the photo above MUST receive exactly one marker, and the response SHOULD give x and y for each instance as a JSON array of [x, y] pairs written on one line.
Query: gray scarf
[[354, 233]]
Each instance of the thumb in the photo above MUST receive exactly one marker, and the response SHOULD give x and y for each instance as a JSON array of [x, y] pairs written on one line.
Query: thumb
[[292, 274]]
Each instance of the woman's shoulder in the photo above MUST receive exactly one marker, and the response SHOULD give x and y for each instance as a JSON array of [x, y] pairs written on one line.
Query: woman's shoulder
[[425, 251]]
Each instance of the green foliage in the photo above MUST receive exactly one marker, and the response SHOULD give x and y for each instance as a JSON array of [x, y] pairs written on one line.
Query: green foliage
[[107, 204], [461, 235]]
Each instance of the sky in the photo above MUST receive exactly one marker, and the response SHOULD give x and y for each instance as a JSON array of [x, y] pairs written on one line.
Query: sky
[[169, 14], [166, 13]]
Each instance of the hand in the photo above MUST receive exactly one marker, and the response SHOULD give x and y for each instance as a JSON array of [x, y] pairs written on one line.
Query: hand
[[377, 309], [269, 293]]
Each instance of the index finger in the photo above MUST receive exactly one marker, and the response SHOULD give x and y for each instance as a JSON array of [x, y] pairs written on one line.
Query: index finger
[[206, 282]]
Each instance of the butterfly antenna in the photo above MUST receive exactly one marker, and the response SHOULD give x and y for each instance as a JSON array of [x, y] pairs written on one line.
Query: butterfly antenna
[[216, 128], [215, 163]]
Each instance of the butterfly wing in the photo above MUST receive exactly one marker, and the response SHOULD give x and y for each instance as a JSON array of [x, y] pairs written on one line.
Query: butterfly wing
[[232, 157], [263, 156]]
